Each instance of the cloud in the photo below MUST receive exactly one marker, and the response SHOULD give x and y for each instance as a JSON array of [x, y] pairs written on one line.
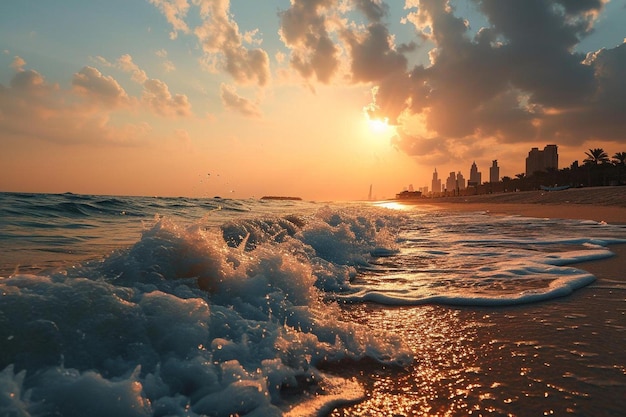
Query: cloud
[[125, 62], [305, 28], [18, 64], [33, 109], [101, 61], [373, 56], [328, 43], [157, 96], [374, 10], [220, 39], [232, 101], [222, 43], [175, 12], [30, 82], [168, 66], [96, 87], [518, 79]]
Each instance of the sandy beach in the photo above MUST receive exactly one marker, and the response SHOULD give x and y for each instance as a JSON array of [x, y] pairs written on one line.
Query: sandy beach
[[607, 204], [560, 357]]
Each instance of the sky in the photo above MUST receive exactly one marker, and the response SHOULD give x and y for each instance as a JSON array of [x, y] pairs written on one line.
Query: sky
[[319, 99]]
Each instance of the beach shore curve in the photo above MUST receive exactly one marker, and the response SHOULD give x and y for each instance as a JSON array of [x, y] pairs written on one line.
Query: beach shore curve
[[602, 204]]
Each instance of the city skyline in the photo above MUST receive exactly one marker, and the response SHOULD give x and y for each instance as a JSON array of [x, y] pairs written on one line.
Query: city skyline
[[536, 160]]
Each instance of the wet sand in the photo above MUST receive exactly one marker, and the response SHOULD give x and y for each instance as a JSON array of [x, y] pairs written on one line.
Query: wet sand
[[562, 357]]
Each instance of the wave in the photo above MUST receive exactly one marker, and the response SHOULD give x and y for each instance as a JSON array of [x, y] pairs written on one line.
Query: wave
[[192, 320]]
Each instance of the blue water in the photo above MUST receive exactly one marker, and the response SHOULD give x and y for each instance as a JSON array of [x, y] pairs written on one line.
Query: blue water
[[138, 306]]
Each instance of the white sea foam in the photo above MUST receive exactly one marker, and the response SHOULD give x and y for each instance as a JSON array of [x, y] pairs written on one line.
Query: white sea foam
[[182, 323]]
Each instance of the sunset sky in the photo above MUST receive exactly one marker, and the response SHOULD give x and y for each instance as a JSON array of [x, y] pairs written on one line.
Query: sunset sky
[[275, 97]]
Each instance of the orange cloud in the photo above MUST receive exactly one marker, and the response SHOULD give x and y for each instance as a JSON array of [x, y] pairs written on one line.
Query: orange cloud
[[175, 12], [232, 101], [32, 108], [90, 83], [125, 62], [157, 96]]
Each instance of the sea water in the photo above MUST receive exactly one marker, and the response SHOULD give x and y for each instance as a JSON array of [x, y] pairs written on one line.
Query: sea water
[[137, 306]]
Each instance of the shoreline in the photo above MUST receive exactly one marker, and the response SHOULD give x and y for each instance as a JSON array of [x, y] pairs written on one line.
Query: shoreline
[[601, 204], [565, 354]]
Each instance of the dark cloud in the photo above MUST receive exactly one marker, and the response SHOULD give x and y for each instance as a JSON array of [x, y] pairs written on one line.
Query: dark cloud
[[375, 11], [539, 40], [372, 55], [28, 81], [303, 28], [518, 79], [603, 114]]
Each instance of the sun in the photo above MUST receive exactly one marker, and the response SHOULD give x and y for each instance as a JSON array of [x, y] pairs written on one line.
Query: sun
[[379, 125]]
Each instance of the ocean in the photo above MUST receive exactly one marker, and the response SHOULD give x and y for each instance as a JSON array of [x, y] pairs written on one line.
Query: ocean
[[148, 306]]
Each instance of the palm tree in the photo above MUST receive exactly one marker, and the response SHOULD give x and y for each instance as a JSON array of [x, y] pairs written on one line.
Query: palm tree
[[596, 162], [619, 158], [596, 156]]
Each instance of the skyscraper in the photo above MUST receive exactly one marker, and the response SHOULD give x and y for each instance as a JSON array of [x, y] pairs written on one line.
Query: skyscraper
[[451, 182], [475, 178], [542, 160], [494, 172], [436, 183], [460, 181]]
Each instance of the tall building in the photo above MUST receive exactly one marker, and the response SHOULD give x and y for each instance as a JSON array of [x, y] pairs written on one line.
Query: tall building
[[494, 172], [460, 181], [451, 182], [542, 160], [475, 178], [436, 183]]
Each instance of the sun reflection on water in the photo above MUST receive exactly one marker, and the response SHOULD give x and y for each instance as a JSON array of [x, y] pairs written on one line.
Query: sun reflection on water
[[394, 205], [444, 376]]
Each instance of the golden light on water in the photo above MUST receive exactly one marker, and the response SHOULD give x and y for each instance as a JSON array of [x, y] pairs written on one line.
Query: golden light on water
[[393, 205], [444, 379]]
